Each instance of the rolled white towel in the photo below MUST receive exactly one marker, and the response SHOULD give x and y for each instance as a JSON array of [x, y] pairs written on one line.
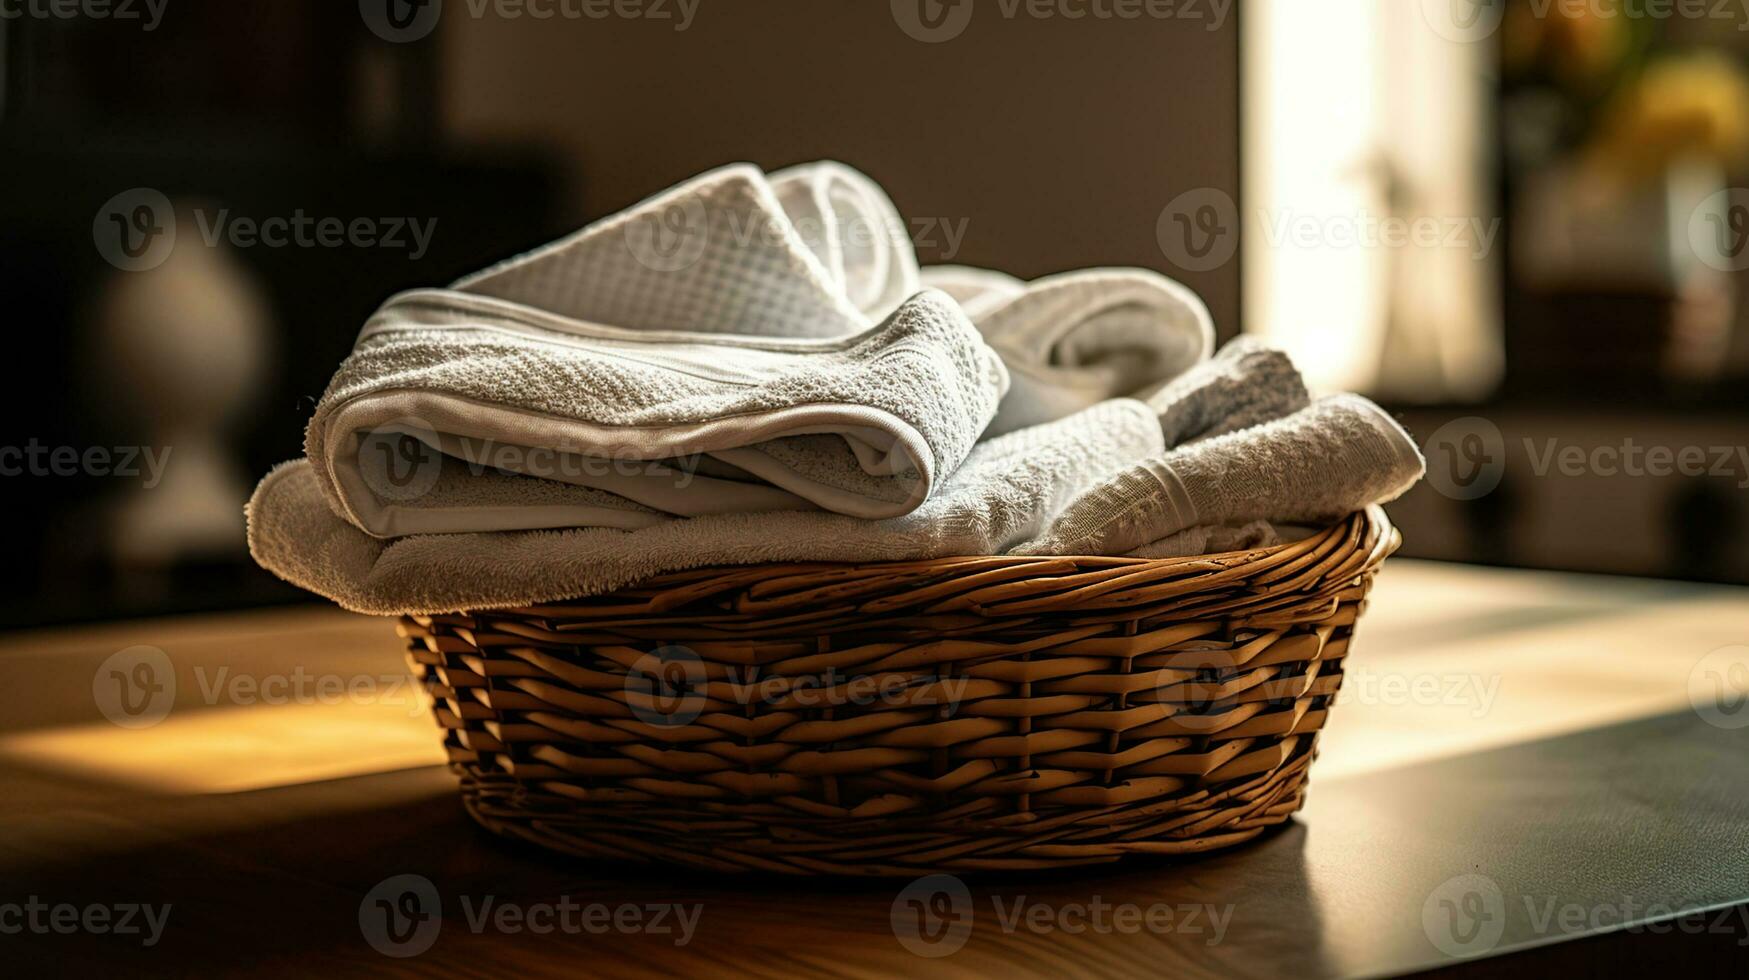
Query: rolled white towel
[[852, 226], [1079, 338]]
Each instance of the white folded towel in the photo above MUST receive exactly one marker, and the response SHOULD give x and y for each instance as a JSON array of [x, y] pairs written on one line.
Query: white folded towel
[[1335, 457], [1075, 339], [710, 350], [680, 423], [1007, 491]]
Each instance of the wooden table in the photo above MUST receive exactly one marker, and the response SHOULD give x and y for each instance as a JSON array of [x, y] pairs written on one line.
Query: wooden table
[[1516, 779]]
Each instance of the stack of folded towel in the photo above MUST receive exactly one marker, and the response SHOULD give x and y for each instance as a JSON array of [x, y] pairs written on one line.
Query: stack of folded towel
[[752, 368]]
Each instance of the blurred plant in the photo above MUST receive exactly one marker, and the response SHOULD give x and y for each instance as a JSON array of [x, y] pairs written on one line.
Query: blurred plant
[[1582, 81], [1682, 107]]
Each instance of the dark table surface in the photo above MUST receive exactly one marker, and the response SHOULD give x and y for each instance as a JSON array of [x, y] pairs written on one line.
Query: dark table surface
[[1525, 774]]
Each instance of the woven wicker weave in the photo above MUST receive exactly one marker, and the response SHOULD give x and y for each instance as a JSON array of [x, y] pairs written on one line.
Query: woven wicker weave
[[902, 718]]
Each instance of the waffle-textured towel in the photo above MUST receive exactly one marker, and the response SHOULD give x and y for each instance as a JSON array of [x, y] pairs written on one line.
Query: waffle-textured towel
[[1078, 338], [716, 254], [446, 386], [1007, 491], [1332, 458]]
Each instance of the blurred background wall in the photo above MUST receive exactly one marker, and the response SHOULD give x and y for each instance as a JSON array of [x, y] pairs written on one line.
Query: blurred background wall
[[1032, 145], [1051, 141], [1519, 224]]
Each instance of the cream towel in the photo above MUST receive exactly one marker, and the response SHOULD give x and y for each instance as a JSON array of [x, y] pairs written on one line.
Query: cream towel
[[1007, 491], [1331, 459]]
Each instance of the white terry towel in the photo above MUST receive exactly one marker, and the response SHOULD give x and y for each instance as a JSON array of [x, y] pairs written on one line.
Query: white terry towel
[[1330, 459], [1246, 384], [444, 387], [1007, 491], [1078, 338]]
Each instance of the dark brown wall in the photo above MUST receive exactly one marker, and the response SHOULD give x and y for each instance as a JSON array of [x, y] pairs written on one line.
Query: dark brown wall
[[1058, 141]]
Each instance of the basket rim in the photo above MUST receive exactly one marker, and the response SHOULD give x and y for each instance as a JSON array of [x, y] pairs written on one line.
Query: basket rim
[[1360, 541]]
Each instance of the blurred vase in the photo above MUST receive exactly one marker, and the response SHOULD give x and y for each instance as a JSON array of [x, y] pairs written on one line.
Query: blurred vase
[[181, 350]]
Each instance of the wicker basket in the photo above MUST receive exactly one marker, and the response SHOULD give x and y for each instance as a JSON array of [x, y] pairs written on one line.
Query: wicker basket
[[902, 718]]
